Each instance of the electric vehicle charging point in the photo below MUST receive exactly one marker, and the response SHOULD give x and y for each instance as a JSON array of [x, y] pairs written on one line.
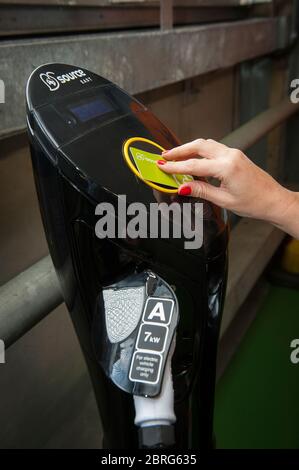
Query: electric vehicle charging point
[[146, 310]]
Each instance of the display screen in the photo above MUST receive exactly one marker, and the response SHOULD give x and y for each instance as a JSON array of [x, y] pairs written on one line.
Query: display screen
[[92, 109]]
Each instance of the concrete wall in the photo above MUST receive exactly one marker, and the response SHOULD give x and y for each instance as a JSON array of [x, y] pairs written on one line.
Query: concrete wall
[[46, 396]]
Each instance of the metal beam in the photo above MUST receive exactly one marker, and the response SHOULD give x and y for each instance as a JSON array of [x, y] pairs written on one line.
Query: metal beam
[[182, 3], [137, 61], [29, 297], [16, 20], [252, 131], [166, 14]]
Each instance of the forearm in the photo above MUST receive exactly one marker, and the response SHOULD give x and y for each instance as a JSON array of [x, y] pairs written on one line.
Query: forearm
[[285, 214]]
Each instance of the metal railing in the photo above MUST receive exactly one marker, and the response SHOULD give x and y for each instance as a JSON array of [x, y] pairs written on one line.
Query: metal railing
[[210, 47]]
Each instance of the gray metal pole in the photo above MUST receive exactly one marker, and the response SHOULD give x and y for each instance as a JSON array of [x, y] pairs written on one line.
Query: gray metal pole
[[27, 299], [30, 296]]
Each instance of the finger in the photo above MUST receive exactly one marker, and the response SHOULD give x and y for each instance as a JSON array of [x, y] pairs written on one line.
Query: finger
[[193, 166], [204, 190], [197, 148]]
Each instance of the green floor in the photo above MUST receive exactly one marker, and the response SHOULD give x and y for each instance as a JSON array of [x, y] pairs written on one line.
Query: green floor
[[257, 399]]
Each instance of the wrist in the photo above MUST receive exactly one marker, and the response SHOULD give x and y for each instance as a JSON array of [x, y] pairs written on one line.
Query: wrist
[[285, 210]]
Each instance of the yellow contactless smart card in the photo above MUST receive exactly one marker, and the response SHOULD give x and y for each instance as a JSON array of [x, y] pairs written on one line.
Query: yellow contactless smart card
[[145, 154], [146, 163]]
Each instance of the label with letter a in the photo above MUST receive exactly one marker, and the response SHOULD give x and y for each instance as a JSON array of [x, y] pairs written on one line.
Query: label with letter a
[[158, 310]]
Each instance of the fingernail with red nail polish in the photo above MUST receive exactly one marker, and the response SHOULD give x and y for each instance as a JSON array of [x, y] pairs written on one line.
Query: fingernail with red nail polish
[[185, 191], [161, 162]]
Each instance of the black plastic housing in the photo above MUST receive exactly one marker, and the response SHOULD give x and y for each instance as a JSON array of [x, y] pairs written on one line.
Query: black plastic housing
[[79, 163]]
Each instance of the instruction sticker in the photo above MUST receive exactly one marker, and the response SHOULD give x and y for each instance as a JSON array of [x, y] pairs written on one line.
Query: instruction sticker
[[151, 340], [145, 367], [146, 163]]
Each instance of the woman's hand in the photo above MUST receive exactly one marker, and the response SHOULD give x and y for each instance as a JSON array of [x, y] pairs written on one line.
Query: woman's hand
[[244, 188]]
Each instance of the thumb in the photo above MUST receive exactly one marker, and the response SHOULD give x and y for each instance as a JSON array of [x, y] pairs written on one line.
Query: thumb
[[203, 190]]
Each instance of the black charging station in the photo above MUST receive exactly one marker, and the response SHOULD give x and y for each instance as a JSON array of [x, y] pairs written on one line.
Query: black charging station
[[122, 292]]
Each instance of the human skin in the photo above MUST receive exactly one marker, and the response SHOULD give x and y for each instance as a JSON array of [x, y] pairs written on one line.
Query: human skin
[[244, 189]]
